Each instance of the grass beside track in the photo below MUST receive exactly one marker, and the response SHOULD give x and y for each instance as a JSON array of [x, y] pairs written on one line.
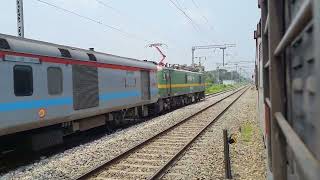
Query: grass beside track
[[246, 132], [215, 88]]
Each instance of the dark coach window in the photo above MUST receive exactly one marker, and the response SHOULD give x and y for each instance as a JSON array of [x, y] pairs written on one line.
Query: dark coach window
[[4, 44], [23, 80], [65, 53], [92, 57], [55, 81]]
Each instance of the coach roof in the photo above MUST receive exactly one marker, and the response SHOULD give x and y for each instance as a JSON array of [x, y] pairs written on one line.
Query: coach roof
[[41, 48]]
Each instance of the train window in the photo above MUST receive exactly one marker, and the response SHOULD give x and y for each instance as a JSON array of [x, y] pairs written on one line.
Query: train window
[[55, 80], [4, 44], [200, 79], [23, 80], [186, 78], [92, 57], [130, 81], [166, 76], [65, 53]]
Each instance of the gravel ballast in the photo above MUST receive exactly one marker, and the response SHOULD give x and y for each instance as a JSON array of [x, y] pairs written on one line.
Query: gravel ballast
[[205, 158], [149, 158], [77, 160]]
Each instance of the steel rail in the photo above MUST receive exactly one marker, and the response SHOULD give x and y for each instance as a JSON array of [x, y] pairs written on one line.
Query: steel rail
[[171, 162], [107, 163], [220, 92]]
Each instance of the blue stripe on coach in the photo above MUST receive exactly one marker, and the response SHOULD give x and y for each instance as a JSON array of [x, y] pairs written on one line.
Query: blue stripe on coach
[[119, 95], [45, 103]]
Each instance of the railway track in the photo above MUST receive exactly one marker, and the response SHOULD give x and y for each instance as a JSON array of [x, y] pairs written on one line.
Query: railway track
[[219, 93], [152, 158], [16, 160]]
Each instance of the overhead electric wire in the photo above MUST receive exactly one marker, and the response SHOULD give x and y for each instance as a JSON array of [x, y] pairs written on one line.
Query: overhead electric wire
[[178, 3], [191, 21], [108, 6], [129, 35], [194, 25], [130, 17], [203, 16]]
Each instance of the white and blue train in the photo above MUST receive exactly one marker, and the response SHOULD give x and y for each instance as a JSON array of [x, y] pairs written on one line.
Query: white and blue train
[[45, 86]]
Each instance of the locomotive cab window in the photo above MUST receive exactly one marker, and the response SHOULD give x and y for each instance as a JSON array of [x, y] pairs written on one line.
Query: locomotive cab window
[[186, 78], [55, 80], [23, 80], [166, 76]]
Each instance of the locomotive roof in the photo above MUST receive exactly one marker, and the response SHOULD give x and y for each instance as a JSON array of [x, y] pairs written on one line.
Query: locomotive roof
[[182, 70], [36, 47]]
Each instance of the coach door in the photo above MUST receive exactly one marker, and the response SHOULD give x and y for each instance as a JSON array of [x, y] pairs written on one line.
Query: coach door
[[145, 85], [85, 87]]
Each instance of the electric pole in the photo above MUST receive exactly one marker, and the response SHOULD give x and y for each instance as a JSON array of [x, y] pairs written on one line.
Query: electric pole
[[20, 21], [218, 74], [223, 47]]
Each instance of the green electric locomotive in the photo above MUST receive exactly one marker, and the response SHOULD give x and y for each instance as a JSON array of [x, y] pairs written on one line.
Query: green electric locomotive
[[179, 87]]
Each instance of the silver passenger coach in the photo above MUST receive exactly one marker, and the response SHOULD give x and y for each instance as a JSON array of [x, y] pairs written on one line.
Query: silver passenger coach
[[68, 89]]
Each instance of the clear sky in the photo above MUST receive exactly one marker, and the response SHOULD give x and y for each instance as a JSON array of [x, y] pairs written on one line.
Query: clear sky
[[143, 22]]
